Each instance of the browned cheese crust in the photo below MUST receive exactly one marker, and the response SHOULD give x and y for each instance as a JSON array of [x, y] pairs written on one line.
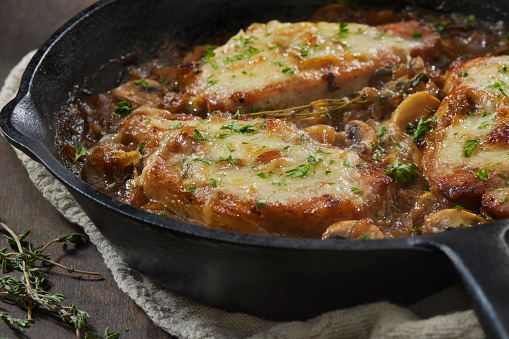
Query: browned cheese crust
[[259, 176], [465, 155], [279, 65]]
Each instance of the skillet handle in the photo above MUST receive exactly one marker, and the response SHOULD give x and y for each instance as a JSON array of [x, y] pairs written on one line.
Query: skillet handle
[[481, 257], [19, 125]]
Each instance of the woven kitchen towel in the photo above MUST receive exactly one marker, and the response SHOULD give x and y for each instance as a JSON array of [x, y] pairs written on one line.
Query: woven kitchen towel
[[444, 315]]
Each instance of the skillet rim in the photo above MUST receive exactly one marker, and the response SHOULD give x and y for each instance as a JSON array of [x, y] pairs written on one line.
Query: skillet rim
[[37, 150]]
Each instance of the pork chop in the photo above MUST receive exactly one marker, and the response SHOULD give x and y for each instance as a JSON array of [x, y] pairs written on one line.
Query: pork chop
[[280, 65], [466, 154], [259, 176]]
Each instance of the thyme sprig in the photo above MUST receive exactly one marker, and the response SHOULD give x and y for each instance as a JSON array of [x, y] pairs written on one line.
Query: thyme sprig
[[27, 289]]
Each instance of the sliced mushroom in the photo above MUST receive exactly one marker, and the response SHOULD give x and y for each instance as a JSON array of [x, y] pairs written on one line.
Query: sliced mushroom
[[450, 219], [322, 133], [106, 162], [423, 205], [496, 203], [140, 92], [420, 105], [358, 136], [353, 229]]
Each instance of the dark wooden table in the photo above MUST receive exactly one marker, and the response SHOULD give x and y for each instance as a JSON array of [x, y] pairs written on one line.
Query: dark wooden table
[[24, 26]]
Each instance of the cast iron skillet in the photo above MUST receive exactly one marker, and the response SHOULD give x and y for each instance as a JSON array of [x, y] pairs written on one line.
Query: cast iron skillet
[[276, 278]]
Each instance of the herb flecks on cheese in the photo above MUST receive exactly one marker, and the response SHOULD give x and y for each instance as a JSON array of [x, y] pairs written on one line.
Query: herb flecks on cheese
[[309, 60], [465, 154], [307, 177]]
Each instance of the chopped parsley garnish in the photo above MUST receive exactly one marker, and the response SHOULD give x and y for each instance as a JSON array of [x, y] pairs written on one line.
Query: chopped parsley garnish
[[381, 131], [107, 187], [176, 125], [229, 159], [312, 160], [241, 42], [212, 82], [303, 138], [303, 49], [287, 70], [221, 135], [142, 82], [215, 182], [357, 191], [250, 51], [482, 174], [303, 170], [401, 172], [280, 183], [321, 152], [483, 125], [245, 129], [299, 171], [123, 108], [79, 152], [343, 30], [423, 128], [458, 207], [440, 26], [260, 203], [499, 85], [209, 53], [237, 113], [463, 74], [346, 163], [190, 188], [262, 175], [197, 135], [469, 146], [417, 34], [141, 149]]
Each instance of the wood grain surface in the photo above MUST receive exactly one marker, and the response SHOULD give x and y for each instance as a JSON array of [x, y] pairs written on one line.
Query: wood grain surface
[[24, 26]]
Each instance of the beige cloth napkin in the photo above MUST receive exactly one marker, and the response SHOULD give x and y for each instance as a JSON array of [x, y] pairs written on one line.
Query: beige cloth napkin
[[443, 315]]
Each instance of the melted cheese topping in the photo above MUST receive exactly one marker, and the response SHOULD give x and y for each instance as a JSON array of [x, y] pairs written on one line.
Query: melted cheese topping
[[487, 82], [272, 55], [475, 127], [268, 161], [491, 76]]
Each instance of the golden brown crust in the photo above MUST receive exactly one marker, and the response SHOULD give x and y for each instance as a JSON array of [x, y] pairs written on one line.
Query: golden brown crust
[[311, 73], [465, 154], [185, 177]]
